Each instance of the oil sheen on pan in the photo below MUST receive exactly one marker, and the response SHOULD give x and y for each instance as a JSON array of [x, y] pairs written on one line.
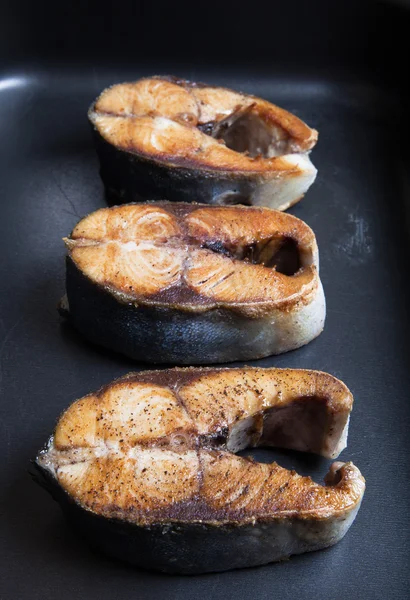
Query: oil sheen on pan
[[146, 467], [189, 284], [164, 137]]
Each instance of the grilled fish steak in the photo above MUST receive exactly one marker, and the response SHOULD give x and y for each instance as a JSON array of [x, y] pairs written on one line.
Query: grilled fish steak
[[192, 284], [146, 467], [163, 137]]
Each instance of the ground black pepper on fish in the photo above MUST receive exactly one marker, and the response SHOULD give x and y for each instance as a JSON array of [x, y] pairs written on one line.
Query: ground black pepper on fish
[[145, 467], [193, 284]]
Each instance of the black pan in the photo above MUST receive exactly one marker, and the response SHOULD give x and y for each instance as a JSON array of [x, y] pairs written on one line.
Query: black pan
[[342, 67]]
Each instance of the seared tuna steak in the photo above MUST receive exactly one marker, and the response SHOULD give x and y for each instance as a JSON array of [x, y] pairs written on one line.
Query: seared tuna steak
[[164, 137], [185, 283], [145, 467]]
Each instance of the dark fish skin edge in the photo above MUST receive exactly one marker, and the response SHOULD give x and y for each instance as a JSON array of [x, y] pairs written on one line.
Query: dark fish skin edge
[[193, 548], [161, 335], [128, 177]]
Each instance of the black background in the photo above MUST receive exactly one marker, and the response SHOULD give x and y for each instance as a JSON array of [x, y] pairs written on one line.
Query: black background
[[343, 67]]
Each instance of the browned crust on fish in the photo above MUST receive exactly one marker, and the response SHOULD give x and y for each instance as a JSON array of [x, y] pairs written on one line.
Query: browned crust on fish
[[304, 137], [119, 453], [128, 125], [188, 243]]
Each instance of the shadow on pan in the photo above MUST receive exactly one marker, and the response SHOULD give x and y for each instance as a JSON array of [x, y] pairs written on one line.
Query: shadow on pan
[[362, 33]]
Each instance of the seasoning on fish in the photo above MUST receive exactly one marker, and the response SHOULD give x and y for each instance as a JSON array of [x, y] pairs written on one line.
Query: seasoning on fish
[[146, 469], [192, 284], [163, 137]]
